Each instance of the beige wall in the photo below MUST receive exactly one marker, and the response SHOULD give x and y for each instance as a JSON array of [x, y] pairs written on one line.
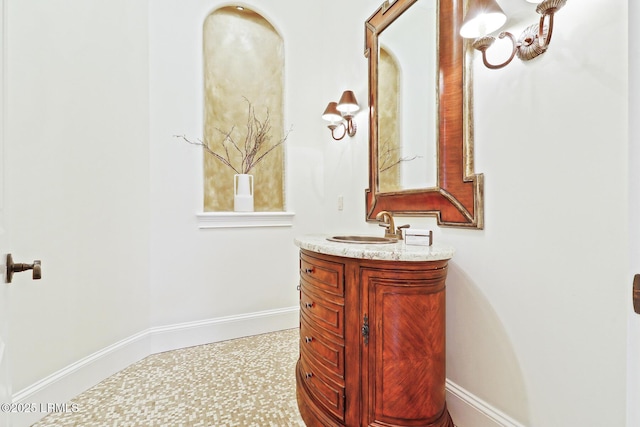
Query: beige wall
[[76, 170], [537, 302], [633, 411]]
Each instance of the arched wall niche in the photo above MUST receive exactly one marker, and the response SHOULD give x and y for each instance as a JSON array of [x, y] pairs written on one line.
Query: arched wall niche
[[243, 61]]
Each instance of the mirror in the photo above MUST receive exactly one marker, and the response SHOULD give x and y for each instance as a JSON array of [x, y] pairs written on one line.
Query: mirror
[[407, 103], [420, 133]]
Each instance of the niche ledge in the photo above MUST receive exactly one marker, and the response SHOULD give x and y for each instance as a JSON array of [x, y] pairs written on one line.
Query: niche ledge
[[244, 219]]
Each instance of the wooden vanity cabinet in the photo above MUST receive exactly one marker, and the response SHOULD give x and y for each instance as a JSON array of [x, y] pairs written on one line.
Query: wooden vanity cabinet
[[372, 342]]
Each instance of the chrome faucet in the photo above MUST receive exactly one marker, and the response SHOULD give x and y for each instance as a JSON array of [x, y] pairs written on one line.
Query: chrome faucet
[[388, 223]]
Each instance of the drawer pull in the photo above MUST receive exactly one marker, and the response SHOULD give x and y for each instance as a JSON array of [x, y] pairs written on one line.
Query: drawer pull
[[308, 375], [298, 287], [308, 339], [309, 270], [309, 304]]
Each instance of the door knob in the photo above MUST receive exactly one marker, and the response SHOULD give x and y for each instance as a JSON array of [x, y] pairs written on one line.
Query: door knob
[[636, 293], [18, 267]]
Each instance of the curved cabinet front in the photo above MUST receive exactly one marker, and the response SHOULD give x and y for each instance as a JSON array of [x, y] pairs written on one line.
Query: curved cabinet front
[[372, 342]]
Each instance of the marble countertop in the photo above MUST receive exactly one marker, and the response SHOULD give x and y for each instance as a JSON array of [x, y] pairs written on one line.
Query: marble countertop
[[376, 251]]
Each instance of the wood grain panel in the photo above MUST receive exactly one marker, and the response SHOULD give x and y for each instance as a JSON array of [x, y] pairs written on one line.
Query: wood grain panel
[[398, 377]]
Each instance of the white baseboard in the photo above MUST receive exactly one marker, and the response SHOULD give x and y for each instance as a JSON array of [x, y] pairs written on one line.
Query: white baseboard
[[468, 410], [172, 337], [63, 385]]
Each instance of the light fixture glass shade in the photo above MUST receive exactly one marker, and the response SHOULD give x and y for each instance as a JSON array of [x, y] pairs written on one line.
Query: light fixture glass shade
[[331, 113], [348, 103], [483, 17]]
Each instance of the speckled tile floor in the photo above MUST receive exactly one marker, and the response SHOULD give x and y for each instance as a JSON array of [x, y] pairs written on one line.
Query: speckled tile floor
[[244, 382]]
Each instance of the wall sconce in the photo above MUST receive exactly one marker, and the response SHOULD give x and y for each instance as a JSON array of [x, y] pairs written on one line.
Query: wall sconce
[[341, 114], [486, 16]]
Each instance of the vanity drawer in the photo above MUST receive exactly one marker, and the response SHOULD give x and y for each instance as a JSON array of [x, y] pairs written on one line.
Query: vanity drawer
[[325, 275], [321, 313], [327, 352], [327, 392]]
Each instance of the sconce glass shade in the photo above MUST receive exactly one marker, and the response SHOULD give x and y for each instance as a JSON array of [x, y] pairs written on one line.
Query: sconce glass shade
[[348, 103], [331, 113], [483, 17]]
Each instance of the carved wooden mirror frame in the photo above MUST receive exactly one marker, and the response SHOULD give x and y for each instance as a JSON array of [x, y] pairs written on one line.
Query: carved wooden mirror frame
[[457, 198]]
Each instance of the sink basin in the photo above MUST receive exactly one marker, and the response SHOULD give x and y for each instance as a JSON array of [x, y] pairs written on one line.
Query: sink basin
[[362, 239]]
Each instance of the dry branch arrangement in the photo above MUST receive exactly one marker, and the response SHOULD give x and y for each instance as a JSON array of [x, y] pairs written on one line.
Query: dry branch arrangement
[[254, 149], [388, 157]]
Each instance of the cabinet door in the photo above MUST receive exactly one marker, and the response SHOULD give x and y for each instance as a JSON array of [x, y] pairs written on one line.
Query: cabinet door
[[404, 356]]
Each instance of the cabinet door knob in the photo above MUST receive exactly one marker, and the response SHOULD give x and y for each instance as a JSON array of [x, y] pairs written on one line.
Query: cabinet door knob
[[309, 270], [308, 339], [365, 329], [308, 375], [309, 304]]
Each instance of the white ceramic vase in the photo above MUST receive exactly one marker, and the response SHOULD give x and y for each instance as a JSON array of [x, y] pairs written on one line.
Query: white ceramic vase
[[243, 192]]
